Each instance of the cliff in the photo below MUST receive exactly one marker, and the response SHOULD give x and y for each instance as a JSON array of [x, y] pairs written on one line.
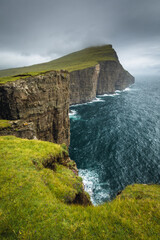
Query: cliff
[[94, 70], [112, 77], [105, 77], [39, 106], [39, 102], [83, 84]]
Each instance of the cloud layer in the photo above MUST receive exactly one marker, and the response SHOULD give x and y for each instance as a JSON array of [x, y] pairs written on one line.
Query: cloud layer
[[35, 31]]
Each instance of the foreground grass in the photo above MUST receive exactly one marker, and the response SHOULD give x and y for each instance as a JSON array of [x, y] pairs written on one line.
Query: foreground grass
[[33, 200], [75, 61]]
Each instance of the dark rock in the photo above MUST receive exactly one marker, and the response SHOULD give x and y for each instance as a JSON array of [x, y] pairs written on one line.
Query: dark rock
[[105, 77], [20, 129], [83, 84], [42, 100], [113, 77], [82, 199]]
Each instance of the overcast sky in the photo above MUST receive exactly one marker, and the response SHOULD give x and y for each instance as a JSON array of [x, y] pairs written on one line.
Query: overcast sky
[[34, 31]]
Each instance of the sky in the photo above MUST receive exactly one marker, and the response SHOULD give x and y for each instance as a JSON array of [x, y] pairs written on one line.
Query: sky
[[35, 31]]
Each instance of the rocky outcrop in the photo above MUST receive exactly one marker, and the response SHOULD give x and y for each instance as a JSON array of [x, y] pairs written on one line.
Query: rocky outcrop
[[42, 102], [105, 77], [20, 128]]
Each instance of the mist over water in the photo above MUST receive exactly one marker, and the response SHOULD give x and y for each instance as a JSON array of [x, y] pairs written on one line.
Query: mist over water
[[115, 140]]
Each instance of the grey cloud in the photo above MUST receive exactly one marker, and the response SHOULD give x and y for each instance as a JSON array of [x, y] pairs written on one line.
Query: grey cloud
[[52, 28]]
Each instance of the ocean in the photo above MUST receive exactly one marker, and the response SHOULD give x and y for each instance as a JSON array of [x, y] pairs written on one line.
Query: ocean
[[115, 139]]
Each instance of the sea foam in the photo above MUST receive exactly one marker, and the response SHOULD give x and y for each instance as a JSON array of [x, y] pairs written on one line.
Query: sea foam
[[93, 186], [74, 115]]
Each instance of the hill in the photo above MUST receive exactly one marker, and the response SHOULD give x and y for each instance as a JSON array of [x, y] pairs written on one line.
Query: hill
[[75, 61]]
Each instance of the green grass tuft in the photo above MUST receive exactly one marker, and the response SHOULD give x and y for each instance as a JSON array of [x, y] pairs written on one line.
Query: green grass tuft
[[4, 124], [33, 200]]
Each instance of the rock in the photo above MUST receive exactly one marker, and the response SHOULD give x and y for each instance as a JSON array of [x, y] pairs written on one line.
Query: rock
[[105, 77], [83, 84], [113, 77], [42, 100], [82, 199], [20, 129]]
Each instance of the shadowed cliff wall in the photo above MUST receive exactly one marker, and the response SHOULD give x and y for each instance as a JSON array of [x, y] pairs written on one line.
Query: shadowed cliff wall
[[105, 77], [42, 100]]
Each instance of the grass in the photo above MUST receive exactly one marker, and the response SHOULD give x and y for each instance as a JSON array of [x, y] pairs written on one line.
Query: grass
[[4, 124], [75, 61], [4, 80], [34, 200]]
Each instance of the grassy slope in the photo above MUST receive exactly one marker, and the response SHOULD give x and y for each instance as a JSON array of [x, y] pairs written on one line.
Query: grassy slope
[[78, 60], [33, 200]]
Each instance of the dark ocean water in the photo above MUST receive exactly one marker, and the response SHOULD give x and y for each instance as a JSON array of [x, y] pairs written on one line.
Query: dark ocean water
[[115, 140]]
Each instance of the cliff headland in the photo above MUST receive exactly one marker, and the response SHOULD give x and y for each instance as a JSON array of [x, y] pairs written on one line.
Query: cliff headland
[[94, 70], [38, 102]]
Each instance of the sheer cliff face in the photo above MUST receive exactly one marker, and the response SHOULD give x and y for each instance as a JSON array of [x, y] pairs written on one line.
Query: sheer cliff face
[[41, 101], [105, 77], [83, 84], [113, 77]]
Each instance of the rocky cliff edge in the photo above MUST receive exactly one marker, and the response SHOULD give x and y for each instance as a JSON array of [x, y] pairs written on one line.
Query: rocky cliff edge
[[38, 107]]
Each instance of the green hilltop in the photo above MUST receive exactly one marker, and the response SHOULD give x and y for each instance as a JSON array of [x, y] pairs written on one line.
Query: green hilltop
[[34, 200], [75, 61]]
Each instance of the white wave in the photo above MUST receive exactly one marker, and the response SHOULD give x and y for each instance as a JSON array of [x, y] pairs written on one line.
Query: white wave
[[110, 94], [77, 104], [73, 114], [92, 184], [127, 89], [117, 92], [124, 90], [97, 99]]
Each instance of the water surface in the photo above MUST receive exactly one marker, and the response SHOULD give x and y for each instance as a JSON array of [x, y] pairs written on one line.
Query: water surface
[[115, 139]]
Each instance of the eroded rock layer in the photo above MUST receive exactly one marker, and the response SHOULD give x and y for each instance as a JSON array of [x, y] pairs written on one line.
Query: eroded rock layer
[[42, 100]]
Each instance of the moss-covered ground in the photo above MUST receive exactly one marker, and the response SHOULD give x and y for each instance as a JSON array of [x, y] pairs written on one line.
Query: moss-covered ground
[[75, 61], [4, 124], [34, 200]]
